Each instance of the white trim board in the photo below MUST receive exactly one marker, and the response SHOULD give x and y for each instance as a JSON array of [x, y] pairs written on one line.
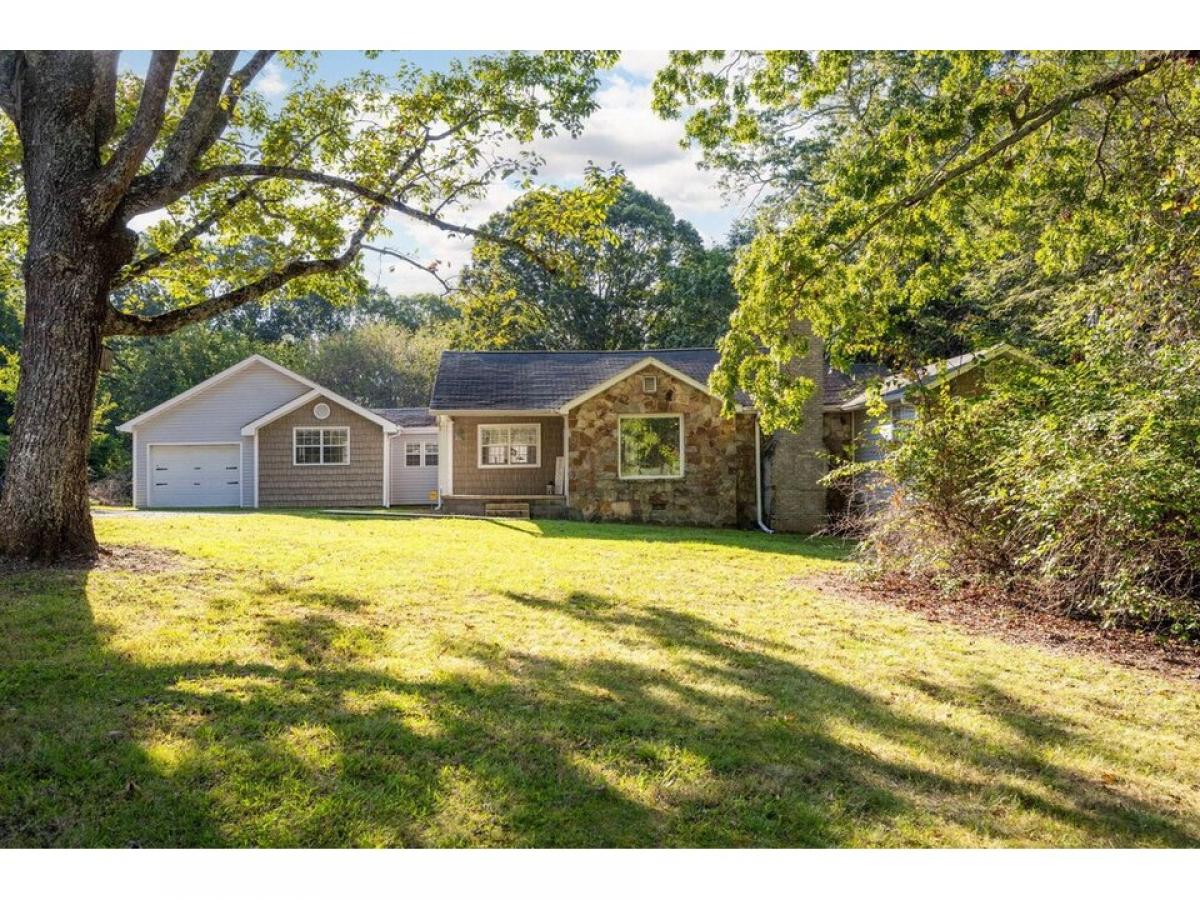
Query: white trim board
[[649, 360], [303, 399], [387, 426]]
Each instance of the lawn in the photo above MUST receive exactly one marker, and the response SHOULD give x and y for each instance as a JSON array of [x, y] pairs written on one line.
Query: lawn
[[285, 679]]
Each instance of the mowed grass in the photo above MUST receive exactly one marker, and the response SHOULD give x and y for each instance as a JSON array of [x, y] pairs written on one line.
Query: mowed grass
[[301, 680]]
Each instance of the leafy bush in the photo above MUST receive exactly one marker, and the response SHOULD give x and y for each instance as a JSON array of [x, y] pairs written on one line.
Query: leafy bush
[[1079, 484]]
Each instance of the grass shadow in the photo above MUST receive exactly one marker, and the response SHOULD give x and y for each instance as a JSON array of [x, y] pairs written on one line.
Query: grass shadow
[[736, 745]]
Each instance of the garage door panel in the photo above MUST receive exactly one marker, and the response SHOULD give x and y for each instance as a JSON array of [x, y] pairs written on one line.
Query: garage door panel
[[195, 475]]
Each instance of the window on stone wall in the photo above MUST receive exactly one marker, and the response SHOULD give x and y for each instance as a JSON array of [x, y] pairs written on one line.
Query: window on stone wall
[[651, 446]]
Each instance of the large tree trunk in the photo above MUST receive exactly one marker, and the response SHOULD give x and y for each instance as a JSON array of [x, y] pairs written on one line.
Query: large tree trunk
[[69, 267], [44, 511]]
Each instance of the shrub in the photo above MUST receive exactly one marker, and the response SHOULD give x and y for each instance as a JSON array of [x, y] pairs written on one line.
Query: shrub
[[1079, 484]]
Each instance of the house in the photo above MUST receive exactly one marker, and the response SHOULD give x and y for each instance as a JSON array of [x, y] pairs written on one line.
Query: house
[[619, 435], [616, 435], [852, 432]]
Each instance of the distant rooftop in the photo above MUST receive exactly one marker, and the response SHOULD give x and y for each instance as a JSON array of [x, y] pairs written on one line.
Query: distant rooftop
[[407, 416]]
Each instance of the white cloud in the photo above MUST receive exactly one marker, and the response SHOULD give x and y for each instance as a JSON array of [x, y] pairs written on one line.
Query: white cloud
[[627, 131], [642, 64], [271, 81]]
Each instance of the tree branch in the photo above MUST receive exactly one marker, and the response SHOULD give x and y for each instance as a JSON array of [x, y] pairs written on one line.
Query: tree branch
[[447, 288], [12, 65], [117, 322], [1030, 123], [233, 93], [193, 128], [187, 239], [117, 174], [259, 170], [104, 93], [208, 120]]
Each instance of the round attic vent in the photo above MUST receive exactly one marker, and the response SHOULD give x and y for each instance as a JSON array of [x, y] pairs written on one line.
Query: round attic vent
[[321, 410]]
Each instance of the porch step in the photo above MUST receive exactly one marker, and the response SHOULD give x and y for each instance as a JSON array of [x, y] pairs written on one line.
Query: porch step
[[507, 510]]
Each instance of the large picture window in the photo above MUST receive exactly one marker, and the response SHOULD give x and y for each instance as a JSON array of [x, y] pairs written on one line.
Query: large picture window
[[651, 446], [510, 446], [321, 446]]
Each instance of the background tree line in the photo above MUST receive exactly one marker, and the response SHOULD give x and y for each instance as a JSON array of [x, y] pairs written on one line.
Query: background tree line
[[654, 283]]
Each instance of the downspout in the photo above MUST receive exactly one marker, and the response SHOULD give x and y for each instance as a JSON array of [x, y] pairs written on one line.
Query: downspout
[[758, 464], [444, 453]]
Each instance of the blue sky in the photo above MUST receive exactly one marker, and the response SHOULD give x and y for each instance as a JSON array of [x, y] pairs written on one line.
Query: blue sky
[[623, 130]]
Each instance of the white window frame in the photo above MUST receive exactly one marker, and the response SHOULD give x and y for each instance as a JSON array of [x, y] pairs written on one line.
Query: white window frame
[[649, 384], [423, 443], [682, 448], [480, 464], [425, 464], [321, 428]]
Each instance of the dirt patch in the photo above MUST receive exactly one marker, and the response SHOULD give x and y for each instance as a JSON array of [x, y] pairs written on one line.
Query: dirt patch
[[1008, 617], [137, 560]]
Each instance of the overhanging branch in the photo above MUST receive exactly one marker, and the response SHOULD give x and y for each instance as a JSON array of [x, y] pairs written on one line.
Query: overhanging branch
[[291, 173], [118, 323], [1031, 123]]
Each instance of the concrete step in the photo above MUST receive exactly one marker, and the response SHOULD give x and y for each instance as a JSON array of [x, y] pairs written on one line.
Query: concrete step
[[507, 510]]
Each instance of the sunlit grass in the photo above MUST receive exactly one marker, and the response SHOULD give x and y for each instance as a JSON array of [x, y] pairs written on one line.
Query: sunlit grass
[[294, 679]]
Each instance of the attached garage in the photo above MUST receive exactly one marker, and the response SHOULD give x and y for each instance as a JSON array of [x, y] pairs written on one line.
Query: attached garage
[[194, 475], [258, 434]]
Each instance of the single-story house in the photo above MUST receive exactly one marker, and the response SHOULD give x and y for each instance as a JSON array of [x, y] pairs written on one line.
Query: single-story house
[[616, 435]]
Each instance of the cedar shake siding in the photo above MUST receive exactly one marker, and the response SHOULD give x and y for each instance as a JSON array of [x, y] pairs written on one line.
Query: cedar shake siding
[[470, 480], [358, 483], [717, 487]]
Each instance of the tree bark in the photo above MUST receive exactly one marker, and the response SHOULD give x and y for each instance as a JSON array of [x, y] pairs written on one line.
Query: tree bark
[[69, 267], [44, 511]]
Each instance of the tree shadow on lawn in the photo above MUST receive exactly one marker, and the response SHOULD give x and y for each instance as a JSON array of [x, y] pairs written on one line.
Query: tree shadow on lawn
[[735, 746], [814, 546]]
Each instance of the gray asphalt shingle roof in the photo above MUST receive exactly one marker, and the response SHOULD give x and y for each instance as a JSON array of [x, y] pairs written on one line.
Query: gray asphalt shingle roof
[[522, 380], [407, 416], [840, 386]]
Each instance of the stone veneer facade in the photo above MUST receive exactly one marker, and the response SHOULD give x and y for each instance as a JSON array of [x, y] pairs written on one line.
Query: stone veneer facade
[[718, 484]]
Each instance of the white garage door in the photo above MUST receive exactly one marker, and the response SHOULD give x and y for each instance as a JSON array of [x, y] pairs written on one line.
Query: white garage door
[[195, 475]]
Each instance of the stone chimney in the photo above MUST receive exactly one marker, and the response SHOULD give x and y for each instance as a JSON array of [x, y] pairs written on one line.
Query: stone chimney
[[795, 460]]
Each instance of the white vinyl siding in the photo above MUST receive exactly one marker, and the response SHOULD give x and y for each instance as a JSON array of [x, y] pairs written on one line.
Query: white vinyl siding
[[412, 484], [217, 414]]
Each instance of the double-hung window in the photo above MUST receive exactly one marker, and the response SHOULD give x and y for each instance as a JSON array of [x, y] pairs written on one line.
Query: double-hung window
[[321, 446], [510, 446], [420, 453], [651, 446]]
